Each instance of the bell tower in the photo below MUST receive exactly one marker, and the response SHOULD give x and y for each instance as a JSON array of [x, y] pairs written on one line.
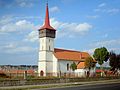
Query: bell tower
[[46, 49]]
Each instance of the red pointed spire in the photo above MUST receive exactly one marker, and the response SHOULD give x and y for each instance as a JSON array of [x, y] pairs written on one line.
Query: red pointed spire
[[47, 21]]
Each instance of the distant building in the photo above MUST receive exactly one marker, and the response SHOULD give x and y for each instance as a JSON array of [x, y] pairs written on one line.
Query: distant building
[[54, 61], [12, 68]]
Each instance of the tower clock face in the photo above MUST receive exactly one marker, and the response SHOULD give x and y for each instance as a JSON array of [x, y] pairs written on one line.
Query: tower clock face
[[47, 33]]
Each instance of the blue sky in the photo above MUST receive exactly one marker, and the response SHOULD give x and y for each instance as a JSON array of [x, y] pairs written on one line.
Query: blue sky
[[81, 25]]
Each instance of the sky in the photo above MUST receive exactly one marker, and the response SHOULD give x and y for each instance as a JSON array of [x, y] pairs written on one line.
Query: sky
[[81, 25]]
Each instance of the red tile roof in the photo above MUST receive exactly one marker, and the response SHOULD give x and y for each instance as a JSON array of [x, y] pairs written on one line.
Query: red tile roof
[[17, 71], [72, 55], [1, 71], [81, 65], [21, 71], [99, 70]]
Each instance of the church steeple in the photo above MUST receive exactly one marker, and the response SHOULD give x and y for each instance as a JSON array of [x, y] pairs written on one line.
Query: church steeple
[[46, 49], [47, 21]]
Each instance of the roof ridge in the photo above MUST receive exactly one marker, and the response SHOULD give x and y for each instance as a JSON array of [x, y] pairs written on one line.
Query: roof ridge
[[66, 50]]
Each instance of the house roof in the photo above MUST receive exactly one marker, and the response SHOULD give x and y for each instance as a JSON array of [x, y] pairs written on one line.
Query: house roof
[[72, 55], [17, 71], [1, 71], [81, 65]]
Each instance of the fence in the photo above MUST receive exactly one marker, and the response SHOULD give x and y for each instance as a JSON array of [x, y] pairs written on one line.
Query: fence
[[26, 75], [17, 82], [30, 75]]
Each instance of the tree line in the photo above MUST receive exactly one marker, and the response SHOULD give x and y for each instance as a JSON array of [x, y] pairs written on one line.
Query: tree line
[[102, 55]]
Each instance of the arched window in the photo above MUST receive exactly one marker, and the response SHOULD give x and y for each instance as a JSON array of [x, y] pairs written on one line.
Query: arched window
[[49, 47], [67, 66], [41, 73]]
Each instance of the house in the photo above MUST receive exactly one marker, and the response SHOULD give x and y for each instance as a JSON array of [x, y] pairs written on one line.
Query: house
[[54, 61]]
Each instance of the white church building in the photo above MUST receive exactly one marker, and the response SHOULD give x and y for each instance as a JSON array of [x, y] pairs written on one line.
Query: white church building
[[54, 61]]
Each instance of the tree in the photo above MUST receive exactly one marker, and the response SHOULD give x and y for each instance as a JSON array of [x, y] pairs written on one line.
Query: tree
[[73, 66], [114, 61], [101, 55], [118, 57], [89, 63]]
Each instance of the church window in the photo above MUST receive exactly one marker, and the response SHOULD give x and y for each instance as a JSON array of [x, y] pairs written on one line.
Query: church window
[[67, 66], [49, 47]]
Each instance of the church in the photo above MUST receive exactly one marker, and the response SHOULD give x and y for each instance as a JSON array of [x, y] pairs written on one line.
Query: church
[[55, 61]]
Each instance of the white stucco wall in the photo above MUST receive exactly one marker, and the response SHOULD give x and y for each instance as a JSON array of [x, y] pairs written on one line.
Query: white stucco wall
[[42, 67], [49, 67], [80, 72], [62, 66], [45, 62], [92, 71], [83, 72], [45, 42], [45, 55], [55, 66]]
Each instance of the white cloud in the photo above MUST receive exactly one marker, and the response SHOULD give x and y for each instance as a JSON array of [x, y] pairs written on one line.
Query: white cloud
[[63, 29], [93, 16], [54, 9], [97, 10], [28, 17], [113, 11], [22, 49], [18, 26], [32, 36], [22, 22], [13, 48], [17, 3], [56, 24], [5, 20], [102, 5], [9, 26], [109, 11], [108, 43], [111, 45], [24, 3], [115, 49], [68, 29], [83, 27], [67, 1], [90, 51], [101, 8], [105, 35]]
